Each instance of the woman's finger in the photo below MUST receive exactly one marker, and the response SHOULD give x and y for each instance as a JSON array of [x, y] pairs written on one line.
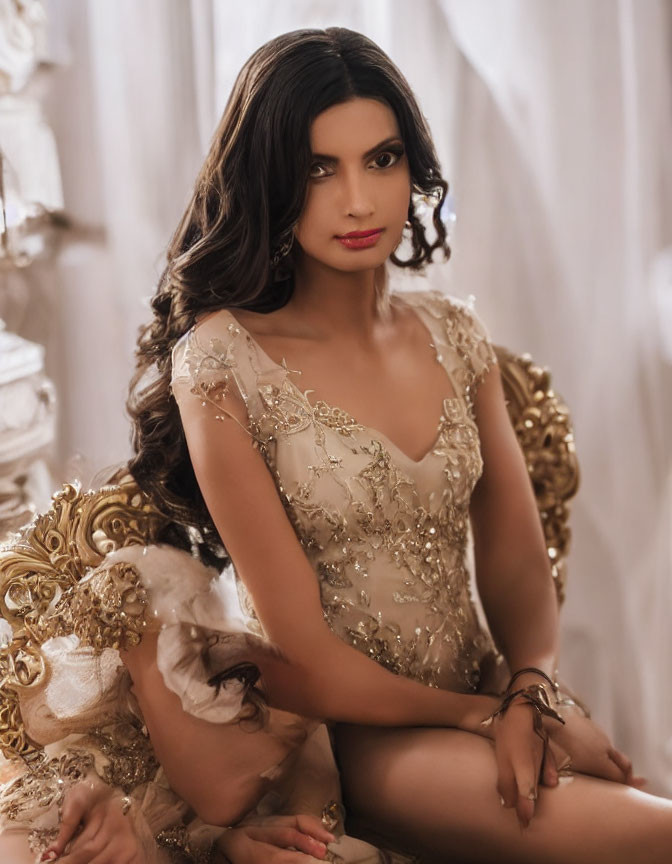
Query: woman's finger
[[312, 825], [526, 768], [506, 780], [286, 836], [549, 768], [561, 758], [93, 822], [614, 771], [74, 808], [625, 764], [305, 822], [622, 761]]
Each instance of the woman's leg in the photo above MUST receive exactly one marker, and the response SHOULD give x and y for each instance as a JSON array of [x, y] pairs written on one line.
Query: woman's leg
[[433, 791]]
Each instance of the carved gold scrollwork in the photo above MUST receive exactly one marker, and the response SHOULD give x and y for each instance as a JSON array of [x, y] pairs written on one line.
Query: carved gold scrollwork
[[40, 570], [14, 741], [544, 430]]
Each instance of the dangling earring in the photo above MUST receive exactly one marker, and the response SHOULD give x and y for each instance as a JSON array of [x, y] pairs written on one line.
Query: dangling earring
[[283, 248]]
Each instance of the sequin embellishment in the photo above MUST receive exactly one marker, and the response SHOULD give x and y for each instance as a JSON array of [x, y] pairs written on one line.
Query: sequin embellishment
[[385, 535]]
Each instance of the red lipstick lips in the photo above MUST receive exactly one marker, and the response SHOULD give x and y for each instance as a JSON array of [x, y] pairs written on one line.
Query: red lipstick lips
[[360, 239]]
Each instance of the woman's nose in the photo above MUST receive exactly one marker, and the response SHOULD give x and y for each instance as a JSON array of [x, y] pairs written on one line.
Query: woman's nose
[[357, 195]]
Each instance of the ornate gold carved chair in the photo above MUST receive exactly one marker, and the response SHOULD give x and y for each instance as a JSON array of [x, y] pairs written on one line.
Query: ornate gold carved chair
[[544, 430], [53, 552]]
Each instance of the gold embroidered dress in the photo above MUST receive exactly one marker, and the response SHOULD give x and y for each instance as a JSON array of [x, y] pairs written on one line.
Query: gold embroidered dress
[[385, 534]]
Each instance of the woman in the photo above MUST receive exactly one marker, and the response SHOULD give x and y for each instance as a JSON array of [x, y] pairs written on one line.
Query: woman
[[345, 513], [348, 541]]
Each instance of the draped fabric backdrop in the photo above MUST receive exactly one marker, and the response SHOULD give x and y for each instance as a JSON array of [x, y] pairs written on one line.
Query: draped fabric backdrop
[[553, 125]]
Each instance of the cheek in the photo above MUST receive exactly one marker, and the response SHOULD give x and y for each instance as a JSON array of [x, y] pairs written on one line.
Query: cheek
[[314, 217], [400, 196]]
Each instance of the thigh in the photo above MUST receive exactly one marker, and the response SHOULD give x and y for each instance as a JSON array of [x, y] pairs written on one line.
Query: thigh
[[433, 791]]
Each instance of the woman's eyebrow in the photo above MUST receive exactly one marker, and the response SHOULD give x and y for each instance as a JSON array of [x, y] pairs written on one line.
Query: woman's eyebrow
[[390, 140]]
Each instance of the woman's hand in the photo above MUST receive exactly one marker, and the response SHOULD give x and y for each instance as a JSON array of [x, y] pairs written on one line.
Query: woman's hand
[[523, 759], [269, 840], [106, 836], [590, 750]]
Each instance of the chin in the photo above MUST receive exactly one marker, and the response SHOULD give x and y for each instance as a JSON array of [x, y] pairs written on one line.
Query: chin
[[368, 259], [359, 266]]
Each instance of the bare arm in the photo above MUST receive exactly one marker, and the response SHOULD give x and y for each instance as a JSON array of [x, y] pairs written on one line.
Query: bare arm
[[512, 568], [324, 677]]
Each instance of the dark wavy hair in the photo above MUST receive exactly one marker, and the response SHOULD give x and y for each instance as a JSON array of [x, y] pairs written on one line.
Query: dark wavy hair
[[247, 197]]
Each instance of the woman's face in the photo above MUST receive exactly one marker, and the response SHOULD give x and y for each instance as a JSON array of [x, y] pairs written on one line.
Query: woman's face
[[359, 183]]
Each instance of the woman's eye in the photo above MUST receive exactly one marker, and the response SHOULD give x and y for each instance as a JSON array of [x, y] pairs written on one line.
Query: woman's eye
[[317, 170], [387, 158]]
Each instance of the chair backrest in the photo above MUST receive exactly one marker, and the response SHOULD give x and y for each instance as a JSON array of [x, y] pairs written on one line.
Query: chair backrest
[[544, 431], [53, 552]]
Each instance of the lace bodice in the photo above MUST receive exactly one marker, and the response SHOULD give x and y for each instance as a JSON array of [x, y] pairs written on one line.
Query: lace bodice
[[386, 535]]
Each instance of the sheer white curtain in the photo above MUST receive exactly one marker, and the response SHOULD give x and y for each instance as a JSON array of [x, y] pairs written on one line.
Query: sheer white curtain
[[552, 122]]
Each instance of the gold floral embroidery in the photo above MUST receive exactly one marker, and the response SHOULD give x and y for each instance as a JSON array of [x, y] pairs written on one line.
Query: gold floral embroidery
[[129, 754], [335, 418], [389, 559]]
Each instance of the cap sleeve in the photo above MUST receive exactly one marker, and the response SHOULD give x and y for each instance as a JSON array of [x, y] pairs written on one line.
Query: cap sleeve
[[482, 355], [464, 337], [210, 367]]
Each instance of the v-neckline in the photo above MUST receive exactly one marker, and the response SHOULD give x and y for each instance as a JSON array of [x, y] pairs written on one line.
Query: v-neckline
[[381, 437]]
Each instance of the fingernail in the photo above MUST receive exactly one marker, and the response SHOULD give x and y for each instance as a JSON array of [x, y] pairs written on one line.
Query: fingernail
[[49, 855]]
